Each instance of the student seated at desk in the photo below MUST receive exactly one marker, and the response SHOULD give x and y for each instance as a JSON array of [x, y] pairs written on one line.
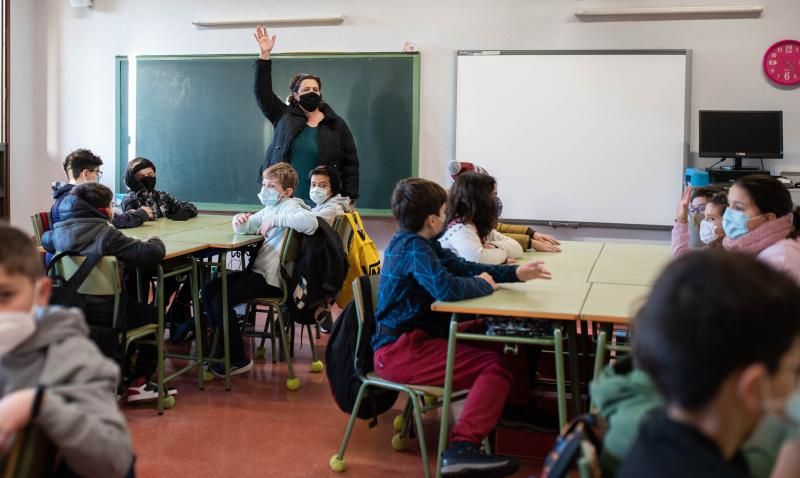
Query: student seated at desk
[[709, 212], [326, 188], [410, 341], [689, 217], [717, 377], [82, 166], [525, 235], [140, 177], [262, 278], [85, 229], [51, 375], [471, 221]]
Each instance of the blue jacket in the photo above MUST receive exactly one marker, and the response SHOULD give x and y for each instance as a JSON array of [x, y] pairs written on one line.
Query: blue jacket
[[417, 272]]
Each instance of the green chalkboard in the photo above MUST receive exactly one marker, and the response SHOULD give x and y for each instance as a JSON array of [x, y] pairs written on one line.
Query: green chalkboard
[[196, 118]]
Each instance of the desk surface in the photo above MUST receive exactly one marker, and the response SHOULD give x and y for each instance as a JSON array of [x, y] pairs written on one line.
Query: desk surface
[[178, 249], [630, 264], [573, 263], [613, 303], [216, 238], [539, 299]]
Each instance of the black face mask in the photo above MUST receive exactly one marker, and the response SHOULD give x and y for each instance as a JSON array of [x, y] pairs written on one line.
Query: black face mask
[[310, 101], [149, 183], [499, 207]]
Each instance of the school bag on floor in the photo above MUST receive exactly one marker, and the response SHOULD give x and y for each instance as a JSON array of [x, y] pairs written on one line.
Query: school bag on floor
[[362, 257], [581, 440]]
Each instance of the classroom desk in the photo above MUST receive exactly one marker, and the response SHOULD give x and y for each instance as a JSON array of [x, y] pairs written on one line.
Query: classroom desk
[[178, 249], [573, 263], [630, 264], [163, 227], [613, 303]]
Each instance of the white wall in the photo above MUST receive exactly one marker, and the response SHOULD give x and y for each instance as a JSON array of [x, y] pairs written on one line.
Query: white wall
[[82, 44]]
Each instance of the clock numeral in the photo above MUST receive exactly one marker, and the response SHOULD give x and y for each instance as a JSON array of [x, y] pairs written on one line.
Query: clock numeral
[[787, 76], [788, 48], [772, 70], [773, 55]]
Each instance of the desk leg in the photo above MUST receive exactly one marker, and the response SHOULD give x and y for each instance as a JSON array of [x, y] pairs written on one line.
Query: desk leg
[[226, 344], [572, 346], [448, 392], [198, 327], [162, 389]]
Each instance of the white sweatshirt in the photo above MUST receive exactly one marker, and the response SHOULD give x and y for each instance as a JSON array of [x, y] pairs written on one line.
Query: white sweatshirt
[[463, 240], [334, 206]]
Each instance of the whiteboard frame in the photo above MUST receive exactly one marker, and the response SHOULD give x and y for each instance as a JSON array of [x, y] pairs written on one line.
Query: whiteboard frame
[[686, 127]]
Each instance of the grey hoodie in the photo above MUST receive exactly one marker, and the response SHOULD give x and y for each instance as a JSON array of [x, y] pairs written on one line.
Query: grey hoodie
[[334, 206], [79, 413]]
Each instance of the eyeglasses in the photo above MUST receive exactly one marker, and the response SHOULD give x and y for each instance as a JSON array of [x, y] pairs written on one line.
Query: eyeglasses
[[699, 209], [97, 172]]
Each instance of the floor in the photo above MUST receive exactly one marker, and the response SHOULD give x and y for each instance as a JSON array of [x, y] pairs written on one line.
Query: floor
[[259, 428]]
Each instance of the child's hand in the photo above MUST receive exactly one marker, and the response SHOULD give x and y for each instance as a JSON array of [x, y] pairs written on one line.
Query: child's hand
[[511, 261], [488, 278], [148, 211], [533, 270], [489, 245], [15, 414], [682, 216], [242, 218], [538, 236], [543, 246], [266, 226]]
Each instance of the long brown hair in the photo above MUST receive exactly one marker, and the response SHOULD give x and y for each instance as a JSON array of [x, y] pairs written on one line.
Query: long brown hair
[[770, 196], [471, 201]]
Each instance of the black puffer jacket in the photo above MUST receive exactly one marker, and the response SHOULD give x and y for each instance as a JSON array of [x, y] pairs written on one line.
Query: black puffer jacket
[[337, 148], [85, 230], [161, 203], [134, 218]]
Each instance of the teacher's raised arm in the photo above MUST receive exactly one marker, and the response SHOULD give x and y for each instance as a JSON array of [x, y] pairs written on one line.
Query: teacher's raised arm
[[308, 133]]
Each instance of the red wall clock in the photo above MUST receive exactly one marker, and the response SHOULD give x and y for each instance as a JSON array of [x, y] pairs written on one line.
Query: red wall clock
[[782, 62]]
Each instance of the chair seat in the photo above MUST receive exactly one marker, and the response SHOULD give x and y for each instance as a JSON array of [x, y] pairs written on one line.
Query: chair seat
[[266, 301], [430, 390]]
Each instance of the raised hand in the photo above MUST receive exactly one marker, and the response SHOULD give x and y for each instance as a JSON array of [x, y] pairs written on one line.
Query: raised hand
[[265, 42], [533, 270], [682, 215]]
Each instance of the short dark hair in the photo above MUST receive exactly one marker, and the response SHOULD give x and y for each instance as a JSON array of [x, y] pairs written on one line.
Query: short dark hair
[[471, 201], [706, 192], [333, 177], [18, 254], [80, 159], [771, 196], [95, 194], [294, 85], [414, 199], [719, 199], [709, 314]]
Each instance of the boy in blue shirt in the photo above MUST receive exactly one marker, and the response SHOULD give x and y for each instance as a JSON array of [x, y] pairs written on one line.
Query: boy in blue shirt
[[410, 341]]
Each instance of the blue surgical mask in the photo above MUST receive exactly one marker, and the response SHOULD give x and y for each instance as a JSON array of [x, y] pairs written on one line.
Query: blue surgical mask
[[269, 197], [734, 223]]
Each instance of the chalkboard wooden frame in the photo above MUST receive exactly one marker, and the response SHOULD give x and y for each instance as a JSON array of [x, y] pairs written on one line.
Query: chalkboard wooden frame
[[121, 114]]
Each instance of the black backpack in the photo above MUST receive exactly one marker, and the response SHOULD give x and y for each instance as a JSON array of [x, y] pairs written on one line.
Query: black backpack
[[341, 369], [581, 438]]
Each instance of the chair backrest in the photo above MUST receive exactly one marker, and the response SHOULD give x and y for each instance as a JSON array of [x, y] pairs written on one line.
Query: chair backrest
[[342, 228], [365, 286], [33, 455], [290, 252], [41, 222], [104, 279]]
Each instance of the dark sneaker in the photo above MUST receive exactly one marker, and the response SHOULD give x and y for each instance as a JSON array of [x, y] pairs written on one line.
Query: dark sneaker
[[183, 332], [326, 324], [528, 416], [142, 390], [465, 459], [242, 366]]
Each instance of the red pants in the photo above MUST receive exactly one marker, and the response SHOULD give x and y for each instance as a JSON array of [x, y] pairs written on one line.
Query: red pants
[[490, 375]]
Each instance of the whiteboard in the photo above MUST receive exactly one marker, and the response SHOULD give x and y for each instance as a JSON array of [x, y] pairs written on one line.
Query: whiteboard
[[588, 137]]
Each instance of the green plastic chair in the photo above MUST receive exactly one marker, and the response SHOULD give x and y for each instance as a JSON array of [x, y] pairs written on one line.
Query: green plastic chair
[[342, 229], [290, 252], [421, 398], [32, 455], [41, 223], [602, 348]]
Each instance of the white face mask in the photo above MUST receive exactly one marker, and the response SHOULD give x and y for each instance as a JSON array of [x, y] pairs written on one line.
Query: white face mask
[[269, 197], [789, 412], [318, 195], [16, 327], [708, 232]]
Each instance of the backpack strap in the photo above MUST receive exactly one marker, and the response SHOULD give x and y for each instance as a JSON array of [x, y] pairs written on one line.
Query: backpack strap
[[76, 281]]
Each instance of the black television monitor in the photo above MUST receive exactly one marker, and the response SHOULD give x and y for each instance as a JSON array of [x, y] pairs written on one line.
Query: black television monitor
[[741, 134]]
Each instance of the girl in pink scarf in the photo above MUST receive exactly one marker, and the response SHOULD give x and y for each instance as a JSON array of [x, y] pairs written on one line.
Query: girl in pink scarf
[[762, 220]]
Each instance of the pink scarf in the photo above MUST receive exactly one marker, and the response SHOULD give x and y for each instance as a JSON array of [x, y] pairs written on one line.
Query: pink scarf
[[762, 237]]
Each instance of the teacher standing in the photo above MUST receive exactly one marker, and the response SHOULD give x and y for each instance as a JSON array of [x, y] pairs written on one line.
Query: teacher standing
[[308, 133]]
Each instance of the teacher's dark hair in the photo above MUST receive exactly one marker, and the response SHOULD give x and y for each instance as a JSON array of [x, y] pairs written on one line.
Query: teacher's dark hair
[[294, 85], [771, 196], [689, 344], [471, 201], [414, 199]]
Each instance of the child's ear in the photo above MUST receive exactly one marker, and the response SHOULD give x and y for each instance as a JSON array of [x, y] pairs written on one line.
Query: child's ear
[[45, 285], [750, 386], [289, 192]]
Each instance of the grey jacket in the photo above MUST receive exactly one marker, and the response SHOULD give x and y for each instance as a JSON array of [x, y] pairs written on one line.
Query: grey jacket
[[79, 413], [334, 206]]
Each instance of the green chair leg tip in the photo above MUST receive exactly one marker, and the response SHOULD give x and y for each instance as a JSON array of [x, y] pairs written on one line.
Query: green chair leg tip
[[398, 423], [261, 353], [208, 376], [337, 464], [169, 402], [317, 366], [398, 442], [430, 400], [293, 384]]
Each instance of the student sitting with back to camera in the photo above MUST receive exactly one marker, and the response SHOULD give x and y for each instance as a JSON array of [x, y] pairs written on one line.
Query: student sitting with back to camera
[[85, 229], [711, 410], [325, 192], [410, 341], [51, 375], [83, 166], [281, 211]]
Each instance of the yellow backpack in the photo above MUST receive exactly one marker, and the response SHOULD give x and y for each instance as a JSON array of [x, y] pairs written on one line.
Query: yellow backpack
[[362, 257]]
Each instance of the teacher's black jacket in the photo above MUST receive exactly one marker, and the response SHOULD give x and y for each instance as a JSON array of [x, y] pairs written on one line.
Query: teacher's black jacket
[[336, 146]]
